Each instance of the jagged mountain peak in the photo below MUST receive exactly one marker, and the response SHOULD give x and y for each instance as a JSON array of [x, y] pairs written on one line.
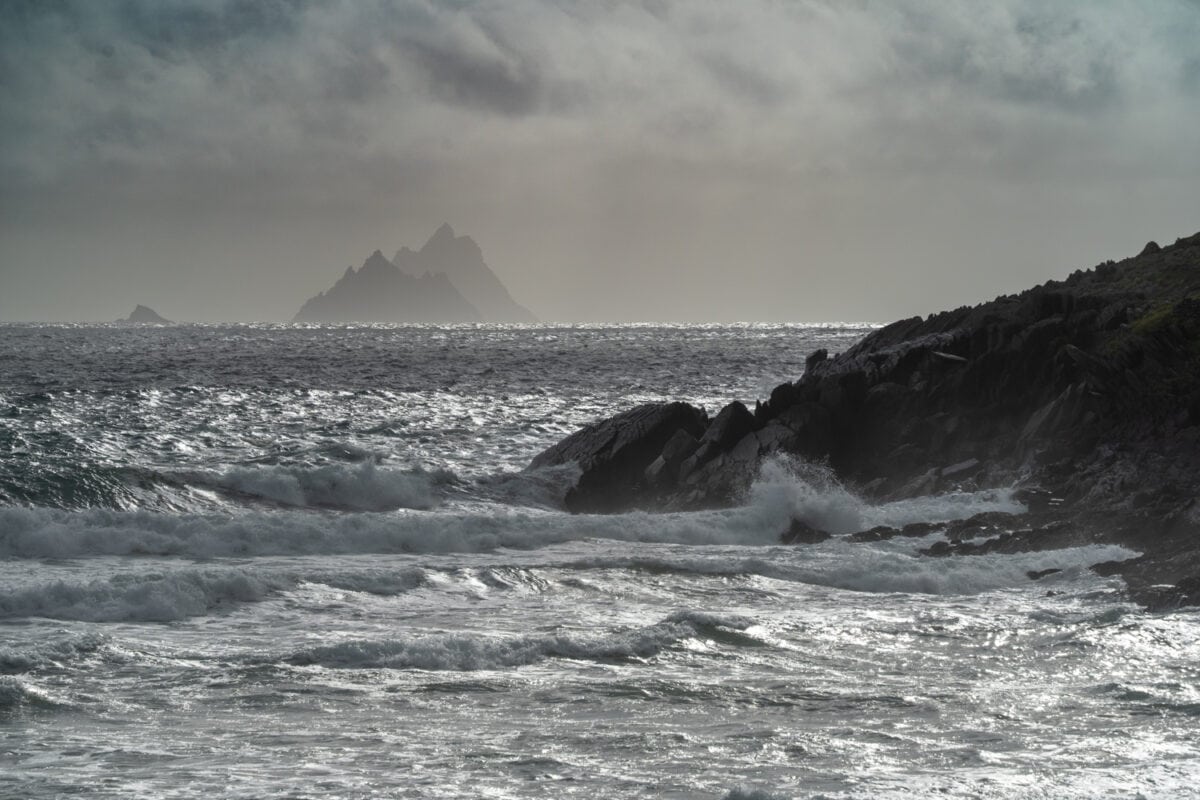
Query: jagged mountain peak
[[461, 259], [442, 234], [447, 280], [450, 252], [379, 291]]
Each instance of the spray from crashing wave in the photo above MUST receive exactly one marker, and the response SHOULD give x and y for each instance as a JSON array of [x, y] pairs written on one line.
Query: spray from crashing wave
[[789, 489], [784, 492]]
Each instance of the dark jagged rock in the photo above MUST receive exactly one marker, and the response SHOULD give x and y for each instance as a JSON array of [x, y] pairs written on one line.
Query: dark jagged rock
[[614, 454], [732, 424], [877, 534], [991, 523], [144, 315], [1051, 536], [800, 532], [1166, 597], [883, 532], [1086, 391]]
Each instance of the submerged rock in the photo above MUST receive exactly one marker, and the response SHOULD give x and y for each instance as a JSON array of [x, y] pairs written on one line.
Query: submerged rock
[[800, 532]]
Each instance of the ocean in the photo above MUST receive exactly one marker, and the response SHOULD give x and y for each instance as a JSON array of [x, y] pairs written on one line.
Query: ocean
[[275, 561]]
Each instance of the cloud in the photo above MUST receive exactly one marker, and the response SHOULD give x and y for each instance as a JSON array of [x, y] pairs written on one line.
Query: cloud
[[805, 82], [693, 119]]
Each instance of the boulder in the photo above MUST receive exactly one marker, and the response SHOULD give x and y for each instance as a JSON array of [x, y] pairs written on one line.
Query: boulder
[[800, 532], [614, 454], [728, 428]]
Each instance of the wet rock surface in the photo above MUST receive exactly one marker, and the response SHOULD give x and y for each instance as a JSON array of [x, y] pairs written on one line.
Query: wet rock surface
[[622, 458], [1085, 393]]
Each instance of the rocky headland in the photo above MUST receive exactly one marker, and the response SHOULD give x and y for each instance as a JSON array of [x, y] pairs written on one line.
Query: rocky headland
[[1084, 394]]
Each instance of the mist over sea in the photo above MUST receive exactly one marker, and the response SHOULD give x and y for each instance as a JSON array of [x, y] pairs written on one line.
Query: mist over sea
[[261, 561]]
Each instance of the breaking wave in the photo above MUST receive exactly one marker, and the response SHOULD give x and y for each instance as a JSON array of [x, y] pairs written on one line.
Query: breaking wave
[[873, 568], [779, 496], [17, 696], [49, 655], [469, 652], [811, 493], [143, 597], [176, 594], [362, 487]]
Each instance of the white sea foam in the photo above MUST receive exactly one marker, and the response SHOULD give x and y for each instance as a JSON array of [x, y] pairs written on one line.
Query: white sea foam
[[169, 595], [544, 487], [790, 489], [472, 651], [16, 694], [781, 495], [1058, 687], [48, 654], [156, 597], [385, 582], [41, 533], [873, 568]]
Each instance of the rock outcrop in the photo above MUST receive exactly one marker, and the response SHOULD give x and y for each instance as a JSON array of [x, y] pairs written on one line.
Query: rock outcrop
[[1087, 389], [620, 457], [144, 315]]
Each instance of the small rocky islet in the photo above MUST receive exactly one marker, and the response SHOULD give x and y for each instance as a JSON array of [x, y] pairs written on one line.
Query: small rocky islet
[[144, 315], [1084, 394]]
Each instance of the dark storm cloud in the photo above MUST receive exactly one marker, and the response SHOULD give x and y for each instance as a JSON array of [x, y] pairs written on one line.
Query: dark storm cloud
[[231, 79], [671, 125], [502, 79], [1035, 57]]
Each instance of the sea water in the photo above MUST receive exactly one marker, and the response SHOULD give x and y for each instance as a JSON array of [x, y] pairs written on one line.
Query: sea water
[[308, 562]]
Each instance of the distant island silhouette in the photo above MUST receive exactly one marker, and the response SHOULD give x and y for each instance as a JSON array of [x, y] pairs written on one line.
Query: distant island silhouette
[[447, 280], [144, 315]]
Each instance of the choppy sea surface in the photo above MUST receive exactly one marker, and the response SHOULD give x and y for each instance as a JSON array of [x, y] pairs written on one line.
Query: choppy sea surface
[[307, 562]]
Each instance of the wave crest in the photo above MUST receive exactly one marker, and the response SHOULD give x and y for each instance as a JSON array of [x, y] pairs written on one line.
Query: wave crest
[[788, 489], [472, 652], [145, 597], [361, 487], [47, 655]]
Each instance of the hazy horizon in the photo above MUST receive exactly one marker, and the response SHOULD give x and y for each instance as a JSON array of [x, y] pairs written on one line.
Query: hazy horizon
[[655, 161]]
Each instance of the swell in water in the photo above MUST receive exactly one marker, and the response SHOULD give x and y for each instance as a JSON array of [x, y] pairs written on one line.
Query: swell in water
[[176, 590], [774, 501], [261, 561]]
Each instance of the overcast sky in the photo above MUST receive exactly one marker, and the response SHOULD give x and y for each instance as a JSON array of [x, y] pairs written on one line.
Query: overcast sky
[[661, 160]]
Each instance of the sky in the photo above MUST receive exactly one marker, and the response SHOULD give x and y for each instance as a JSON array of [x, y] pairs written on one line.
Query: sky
[[674, 160]]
